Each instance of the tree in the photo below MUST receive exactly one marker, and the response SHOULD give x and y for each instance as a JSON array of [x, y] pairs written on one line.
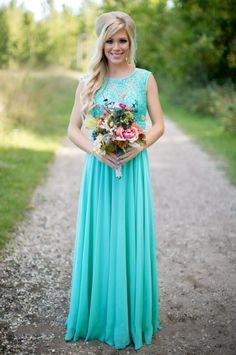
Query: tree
[[4, 38], [211, 39]]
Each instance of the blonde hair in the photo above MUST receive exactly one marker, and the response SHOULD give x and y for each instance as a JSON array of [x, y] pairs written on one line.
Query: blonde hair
[[107, 25]]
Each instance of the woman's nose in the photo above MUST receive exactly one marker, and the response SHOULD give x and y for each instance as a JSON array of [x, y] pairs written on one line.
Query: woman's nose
[[116, 45]]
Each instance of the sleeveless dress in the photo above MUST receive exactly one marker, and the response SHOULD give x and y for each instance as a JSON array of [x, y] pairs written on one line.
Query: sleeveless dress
[[114, 289]]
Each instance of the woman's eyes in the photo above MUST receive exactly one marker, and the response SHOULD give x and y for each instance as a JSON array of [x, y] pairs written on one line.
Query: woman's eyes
[[110, 41]]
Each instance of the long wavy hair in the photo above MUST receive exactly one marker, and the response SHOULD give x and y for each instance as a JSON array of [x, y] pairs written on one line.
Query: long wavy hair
[[107, 25]]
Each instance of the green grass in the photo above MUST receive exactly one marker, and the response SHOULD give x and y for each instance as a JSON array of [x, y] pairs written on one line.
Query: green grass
[[209, 133], [35, 109]]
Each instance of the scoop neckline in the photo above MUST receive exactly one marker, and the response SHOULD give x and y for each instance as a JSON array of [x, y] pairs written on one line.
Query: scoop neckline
[[123, 77]]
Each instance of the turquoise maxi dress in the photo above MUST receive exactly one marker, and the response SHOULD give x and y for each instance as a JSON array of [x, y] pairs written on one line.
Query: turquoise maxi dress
[[114, 289]]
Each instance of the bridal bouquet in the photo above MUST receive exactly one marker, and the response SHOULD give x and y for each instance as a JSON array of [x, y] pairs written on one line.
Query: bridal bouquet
[[116, 130]]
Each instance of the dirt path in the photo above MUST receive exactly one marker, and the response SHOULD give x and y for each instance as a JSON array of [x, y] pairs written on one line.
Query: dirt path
[[196, 222]]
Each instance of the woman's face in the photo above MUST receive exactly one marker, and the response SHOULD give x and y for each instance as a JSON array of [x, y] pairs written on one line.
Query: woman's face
[[116, 48]]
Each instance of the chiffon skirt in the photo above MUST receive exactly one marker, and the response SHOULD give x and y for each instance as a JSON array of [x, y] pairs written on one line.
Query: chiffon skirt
[[114, 289]]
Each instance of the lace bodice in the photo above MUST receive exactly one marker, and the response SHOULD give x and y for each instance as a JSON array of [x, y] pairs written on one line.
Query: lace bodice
[[128, 90]]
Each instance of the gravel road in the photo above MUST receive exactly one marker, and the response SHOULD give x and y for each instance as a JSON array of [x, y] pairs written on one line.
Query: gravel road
[[195, 208]]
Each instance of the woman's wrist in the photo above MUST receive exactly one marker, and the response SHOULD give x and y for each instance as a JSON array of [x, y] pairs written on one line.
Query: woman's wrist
[[144, 143], [143, 146]]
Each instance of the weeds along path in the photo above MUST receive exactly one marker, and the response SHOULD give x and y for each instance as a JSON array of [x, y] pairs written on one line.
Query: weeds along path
[[195, 209]]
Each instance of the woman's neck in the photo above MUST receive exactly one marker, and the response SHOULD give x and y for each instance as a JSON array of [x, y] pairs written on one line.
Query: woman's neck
[[120, 70]]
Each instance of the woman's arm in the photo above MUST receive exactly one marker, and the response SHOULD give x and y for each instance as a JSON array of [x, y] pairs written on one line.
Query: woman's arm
[[74, 129], [155, 112], [78, 138]]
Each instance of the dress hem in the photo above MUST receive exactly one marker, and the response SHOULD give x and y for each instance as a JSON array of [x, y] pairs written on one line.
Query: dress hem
[[131, 342]]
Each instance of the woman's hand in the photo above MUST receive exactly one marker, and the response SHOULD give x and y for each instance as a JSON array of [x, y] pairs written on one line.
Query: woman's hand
[[110, 159], [131, 153]]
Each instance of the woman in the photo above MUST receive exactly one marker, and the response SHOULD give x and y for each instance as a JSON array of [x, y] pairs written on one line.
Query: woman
[[114, 288]]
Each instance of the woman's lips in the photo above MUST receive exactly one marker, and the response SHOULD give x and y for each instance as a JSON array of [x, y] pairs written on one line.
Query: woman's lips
[[116, 54]]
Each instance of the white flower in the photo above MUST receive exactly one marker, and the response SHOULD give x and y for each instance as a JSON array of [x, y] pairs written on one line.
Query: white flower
[[107, 138]]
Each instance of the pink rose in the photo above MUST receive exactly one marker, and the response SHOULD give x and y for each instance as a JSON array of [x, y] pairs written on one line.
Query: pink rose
[[119, 134], [122, 105], [130, 134]]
